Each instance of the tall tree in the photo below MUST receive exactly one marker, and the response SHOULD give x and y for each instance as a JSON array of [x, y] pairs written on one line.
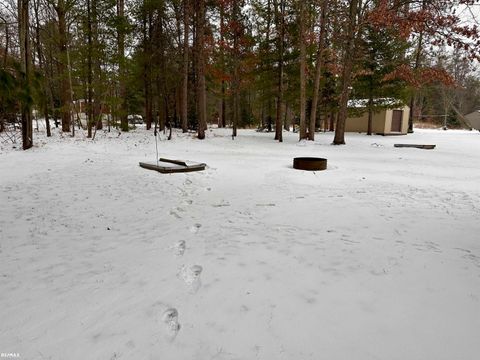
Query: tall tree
[[280, 22], [121, 30], [347, 68], [41, 63], [237, 30], [223, 108], [24, 41], [303, 62], [186, 32], [200, 62], [146, 18], [319, 65], [61, 8], [381, 53], [89, 70]]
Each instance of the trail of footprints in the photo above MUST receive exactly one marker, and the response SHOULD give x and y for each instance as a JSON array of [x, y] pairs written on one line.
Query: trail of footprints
[[191, 277]]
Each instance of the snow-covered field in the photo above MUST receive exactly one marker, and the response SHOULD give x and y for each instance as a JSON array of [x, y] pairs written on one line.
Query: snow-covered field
[[378, 257]]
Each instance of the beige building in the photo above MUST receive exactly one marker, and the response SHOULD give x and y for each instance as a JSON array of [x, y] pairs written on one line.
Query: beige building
[[385, 122], [473, 119]]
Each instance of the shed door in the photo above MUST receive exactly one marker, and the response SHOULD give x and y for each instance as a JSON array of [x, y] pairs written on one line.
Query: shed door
[[397, 117]]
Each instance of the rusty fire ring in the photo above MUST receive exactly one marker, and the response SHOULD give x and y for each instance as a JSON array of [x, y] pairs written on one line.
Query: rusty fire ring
[[309, 163]]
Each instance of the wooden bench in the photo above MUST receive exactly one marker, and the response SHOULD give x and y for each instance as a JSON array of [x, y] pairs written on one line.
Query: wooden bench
[[418, 146]]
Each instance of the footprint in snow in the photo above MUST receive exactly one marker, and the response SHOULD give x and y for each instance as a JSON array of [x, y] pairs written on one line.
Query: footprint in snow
[[191, 277], [180, 248], [172, 326], [195, 228], [174, 214]]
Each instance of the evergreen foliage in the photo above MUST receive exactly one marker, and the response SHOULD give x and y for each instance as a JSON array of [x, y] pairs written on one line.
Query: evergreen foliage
[[133, 62]]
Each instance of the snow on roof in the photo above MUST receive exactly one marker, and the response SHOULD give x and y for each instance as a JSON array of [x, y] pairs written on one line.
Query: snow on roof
[[363, 103]]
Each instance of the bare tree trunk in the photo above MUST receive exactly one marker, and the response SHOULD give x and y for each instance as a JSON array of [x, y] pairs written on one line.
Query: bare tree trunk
[[223, 119], [331, 126], [70, 103], [236, 70], [114, 109], [222, 59], [318, 69], [413, 98], [24, 40], [201, 89], [348, 59], [41, 63], [236, 112], [267, 121], [303, 60], [281, 40], [4, 63], [166, 122], [121, 66], [65, 96], [98, 89], [370, 111], [186, 12], [148, 100], [162, 41], [49, 75], [89, 72], [7, 44], [286, 123], [147, 56]]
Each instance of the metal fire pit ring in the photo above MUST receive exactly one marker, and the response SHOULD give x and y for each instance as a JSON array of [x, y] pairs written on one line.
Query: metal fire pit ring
[[309, 163]]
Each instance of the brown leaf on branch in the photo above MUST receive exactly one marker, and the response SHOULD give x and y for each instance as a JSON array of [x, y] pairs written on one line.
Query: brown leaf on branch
[[420, 77]]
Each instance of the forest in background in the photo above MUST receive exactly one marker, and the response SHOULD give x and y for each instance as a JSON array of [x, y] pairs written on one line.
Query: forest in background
[[236, 63]]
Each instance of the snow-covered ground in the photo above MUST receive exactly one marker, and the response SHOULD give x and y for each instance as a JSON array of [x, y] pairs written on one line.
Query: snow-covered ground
[[378, 257]]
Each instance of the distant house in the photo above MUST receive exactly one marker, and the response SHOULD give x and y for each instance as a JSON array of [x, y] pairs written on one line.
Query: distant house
[[389, 121], [80, 105], [473, 119]]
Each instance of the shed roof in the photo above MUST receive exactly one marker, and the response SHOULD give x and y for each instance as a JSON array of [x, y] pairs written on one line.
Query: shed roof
[[380, 102]]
